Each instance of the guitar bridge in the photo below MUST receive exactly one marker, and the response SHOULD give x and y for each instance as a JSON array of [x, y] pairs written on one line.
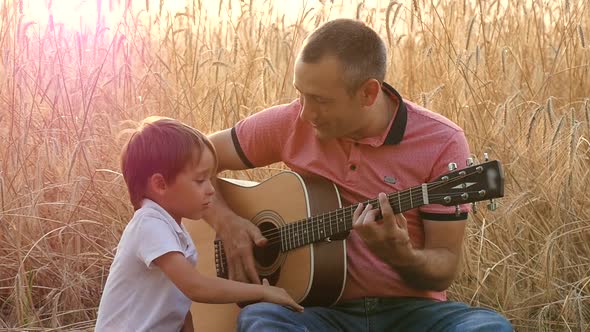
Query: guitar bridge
[[220, 260]]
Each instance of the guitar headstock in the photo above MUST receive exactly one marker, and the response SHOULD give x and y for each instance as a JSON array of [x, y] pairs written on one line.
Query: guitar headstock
[[468, 185]]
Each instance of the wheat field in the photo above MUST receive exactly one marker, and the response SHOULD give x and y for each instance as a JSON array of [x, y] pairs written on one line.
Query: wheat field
[[514, 74]]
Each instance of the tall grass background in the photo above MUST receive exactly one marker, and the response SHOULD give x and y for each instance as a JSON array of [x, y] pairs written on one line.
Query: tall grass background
[[514, 74]]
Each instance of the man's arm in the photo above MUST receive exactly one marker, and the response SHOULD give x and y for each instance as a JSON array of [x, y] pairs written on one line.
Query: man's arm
[[188, 323], [433, 267], [238, 234]]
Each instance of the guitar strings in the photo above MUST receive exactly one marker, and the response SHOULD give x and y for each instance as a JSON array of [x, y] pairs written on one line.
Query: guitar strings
[[415, 196], [274, 237], [314, 225], [319, 223]]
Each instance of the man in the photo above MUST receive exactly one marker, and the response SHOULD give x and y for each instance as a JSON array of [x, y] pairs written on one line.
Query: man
[[352, 128]]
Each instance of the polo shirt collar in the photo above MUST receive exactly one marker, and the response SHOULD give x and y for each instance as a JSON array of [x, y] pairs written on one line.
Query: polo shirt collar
[[148, 203], [397, 126]]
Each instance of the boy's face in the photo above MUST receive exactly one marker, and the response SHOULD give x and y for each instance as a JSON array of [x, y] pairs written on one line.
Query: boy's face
[[191, 193]]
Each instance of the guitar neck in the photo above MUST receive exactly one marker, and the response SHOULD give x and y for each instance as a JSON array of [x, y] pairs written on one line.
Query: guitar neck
[[323, 226]]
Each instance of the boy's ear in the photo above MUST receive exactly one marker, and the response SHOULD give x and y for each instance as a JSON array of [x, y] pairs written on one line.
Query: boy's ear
[[157, 183]]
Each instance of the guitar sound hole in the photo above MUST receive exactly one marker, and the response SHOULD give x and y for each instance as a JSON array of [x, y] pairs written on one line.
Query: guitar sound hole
[[267, 255]]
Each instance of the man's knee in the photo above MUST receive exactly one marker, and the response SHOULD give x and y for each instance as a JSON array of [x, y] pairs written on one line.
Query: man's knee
[[256, 316], [502, 324], [251, 312], [482, 319]]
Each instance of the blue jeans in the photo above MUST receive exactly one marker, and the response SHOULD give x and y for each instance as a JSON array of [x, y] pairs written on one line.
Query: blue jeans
[[374, 314]]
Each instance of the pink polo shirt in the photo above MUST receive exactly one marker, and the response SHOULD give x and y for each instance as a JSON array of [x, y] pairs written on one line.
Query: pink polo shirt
[[416, 148]]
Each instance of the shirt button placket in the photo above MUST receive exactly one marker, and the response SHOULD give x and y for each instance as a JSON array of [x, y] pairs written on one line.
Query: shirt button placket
[[354, 163]]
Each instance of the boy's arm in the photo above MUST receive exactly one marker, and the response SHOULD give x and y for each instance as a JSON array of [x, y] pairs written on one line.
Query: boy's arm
[[205, 289]]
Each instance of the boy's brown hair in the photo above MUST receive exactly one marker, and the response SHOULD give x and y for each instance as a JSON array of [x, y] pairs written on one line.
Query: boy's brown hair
[[159, 145]]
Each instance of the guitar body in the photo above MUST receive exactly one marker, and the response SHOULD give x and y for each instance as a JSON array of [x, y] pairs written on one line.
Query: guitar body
[[313, 274], [301, 218]]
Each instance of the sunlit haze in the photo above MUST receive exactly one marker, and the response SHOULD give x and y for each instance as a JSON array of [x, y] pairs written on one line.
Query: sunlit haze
[[84, 14]]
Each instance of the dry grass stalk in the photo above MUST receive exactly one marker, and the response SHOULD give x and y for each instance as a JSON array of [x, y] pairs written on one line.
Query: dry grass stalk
[[581, 36]]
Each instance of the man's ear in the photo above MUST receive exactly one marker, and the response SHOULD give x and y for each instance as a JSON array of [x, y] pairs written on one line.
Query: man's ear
[[157, 184], [369, 91]]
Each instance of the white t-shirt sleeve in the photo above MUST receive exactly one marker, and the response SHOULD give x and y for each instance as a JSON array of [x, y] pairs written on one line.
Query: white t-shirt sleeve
[[156, 238]]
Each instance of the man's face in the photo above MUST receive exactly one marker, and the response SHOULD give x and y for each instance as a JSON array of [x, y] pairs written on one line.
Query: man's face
[[325, 101]]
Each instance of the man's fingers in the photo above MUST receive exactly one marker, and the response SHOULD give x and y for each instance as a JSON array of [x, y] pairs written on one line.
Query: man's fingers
[[401, 221], [386, 209], [236, 272], [363, 215], [370, 217], [251, 270], [357, 211], [256, 236]]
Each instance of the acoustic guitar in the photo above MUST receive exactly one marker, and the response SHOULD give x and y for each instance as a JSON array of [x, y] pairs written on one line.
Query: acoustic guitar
[[306, 224]]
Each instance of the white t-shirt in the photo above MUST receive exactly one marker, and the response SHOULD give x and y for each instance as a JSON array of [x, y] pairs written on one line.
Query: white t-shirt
[[138, 296]]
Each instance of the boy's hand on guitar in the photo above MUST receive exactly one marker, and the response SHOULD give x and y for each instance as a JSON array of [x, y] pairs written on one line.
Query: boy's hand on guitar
[[239, 237], [279, 296], [387, 238]]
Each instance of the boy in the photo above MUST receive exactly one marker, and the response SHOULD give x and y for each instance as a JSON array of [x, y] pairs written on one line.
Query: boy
[[168, 167]]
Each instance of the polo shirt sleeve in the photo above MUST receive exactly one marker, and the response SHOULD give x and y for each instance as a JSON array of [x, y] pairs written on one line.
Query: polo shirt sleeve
[[259, 139], [155, 238], [455, 150]]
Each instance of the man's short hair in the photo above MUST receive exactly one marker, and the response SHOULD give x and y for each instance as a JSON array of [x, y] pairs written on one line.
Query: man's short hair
[[359, 48], [159, 145]]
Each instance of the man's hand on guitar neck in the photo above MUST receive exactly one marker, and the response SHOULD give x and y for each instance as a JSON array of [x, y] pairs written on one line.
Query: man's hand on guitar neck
[[389, 235], [432, 267]]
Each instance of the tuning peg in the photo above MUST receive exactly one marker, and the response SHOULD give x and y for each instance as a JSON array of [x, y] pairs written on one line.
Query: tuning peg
[[452, 166], [492, 205], [469, 162], [486, 157], [474, 207]]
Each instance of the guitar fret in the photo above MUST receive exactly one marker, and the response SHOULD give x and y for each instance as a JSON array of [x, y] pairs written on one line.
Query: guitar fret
[[330, 222], [316, 226], [317, 229], [281, 239], [286, 232], [291, 237], [307, 232], [302, 234], [298, 233]]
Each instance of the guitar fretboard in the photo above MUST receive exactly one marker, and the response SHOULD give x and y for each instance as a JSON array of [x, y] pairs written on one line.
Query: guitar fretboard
[[323, 226]]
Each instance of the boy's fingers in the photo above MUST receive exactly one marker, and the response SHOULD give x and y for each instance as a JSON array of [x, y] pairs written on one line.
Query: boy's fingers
[[298, 307]]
